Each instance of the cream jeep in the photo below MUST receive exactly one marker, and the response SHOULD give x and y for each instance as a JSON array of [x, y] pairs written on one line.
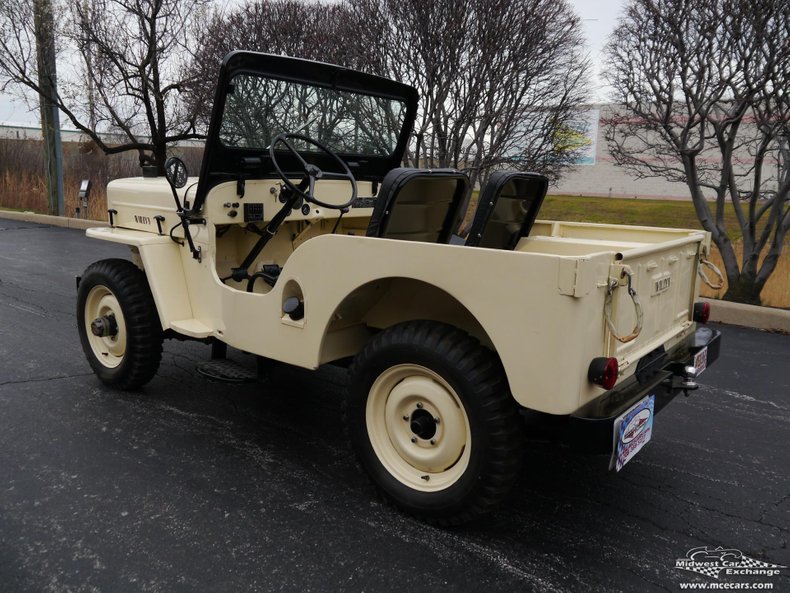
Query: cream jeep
[[302, 241]]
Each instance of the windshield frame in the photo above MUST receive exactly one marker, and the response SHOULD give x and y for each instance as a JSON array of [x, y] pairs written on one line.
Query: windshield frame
[[227, 163]]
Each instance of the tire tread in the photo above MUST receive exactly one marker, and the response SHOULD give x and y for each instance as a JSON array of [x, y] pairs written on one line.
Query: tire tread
[[482, 372], [143, 327]]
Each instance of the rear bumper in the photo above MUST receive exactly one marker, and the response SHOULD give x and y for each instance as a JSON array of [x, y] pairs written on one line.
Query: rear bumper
[[590, 428]]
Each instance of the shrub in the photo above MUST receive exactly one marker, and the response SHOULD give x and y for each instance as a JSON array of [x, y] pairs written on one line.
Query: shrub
[[23, 184]]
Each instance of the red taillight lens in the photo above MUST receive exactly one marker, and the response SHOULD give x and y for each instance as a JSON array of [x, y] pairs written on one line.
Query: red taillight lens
[[603, 372], [701, 312]]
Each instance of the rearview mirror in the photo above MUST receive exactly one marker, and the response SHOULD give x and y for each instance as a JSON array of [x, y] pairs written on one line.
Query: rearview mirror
[[176, 172]]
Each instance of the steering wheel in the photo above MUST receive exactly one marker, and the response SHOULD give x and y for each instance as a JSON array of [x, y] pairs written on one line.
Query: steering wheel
[[312, 172]]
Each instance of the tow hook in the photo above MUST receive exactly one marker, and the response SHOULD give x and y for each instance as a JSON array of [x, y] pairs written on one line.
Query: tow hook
[[688, 383], [683, 377]]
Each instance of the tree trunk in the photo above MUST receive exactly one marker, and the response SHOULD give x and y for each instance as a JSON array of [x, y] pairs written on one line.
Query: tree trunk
[[743, 290], [50, 117], [160, 157]]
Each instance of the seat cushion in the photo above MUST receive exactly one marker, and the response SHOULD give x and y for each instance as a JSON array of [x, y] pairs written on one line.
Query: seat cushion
[[419, 205], [507, 209]]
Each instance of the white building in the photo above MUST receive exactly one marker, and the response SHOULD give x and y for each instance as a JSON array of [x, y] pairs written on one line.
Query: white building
[[596, 173], [32, 132]]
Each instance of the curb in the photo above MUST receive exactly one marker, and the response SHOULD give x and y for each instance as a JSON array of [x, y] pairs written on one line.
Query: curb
[[767, 318], [61, 221]]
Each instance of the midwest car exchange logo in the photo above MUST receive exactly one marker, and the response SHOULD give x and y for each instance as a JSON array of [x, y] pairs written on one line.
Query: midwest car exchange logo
[[713, 562]]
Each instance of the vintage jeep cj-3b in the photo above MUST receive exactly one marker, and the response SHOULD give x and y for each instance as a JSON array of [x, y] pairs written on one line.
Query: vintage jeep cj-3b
[[302, 241]]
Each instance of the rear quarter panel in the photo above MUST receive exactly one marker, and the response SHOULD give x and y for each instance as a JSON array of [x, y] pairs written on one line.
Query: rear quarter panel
[[544, 338]]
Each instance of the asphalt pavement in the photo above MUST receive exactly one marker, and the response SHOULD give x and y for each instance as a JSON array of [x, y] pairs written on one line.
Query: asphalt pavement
[[192, 486]]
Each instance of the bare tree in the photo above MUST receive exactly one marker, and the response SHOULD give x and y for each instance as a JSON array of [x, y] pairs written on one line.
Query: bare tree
[[498, 79], [703, 86], [133, 51], [306, 29]]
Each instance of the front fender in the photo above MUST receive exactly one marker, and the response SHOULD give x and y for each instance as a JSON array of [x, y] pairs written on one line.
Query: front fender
[[163, 266]]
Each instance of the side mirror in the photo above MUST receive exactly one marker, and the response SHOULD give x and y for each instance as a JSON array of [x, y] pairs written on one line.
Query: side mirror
[[176, 172]]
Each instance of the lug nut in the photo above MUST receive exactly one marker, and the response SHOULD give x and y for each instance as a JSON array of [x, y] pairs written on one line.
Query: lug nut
[[433, 441], [419, 405], [413, 439], [436, 420], [406, 418]]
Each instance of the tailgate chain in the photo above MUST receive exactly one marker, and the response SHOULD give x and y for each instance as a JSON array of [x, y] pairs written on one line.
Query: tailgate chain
[[705, 279], [613, 284]]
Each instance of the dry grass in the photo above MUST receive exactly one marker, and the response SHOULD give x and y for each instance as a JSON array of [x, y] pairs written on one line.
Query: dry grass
[[23, 183]]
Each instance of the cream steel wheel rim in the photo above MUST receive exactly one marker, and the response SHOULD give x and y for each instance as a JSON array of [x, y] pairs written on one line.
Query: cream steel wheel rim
[[108, 350], [418, 427]]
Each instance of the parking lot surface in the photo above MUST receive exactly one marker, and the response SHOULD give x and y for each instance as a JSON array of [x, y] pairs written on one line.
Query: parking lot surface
[[192, 486]]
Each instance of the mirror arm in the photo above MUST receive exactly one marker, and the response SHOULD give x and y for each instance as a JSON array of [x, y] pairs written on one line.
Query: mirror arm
[[174, 167], [179, 208], [185, 220]]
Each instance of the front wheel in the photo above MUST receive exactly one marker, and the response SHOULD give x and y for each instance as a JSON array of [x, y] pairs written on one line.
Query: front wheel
[[433, 423], [118, 324]]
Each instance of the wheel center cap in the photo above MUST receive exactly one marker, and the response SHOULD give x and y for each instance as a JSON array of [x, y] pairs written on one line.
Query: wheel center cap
[[104, 327], [423, 424]]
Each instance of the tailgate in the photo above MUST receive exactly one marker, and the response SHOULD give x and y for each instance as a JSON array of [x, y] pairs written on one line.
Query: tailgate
[[663, 277]]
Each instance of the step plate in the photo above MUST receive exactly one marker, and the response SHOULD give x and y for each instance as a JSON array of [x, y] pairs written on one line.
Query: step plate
[[226, 371]]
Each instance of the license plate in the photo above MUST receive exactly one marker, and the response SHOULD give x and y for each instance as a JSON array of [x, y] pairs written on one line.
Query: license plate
[[632, 431], [701, 360]]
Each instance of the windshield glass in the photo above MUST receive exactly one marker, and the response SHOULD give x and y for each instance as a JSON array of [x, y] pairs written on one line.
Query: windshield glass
[[258, 108]]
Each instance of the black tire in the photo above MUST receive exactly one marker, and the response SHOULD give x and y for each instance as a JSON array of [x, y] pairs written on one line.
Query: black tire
[[130, 358], [426, 360]]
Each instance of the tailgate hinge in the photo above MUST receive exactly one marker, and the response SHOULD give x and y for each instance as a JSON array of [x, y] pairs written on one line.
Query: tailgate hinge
[[574, 277]]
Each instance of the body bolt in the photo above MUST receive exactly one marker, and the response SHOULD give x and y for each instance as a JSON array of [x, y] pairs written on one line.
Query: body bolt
[[413, 439], [436, 420], [406, 418]]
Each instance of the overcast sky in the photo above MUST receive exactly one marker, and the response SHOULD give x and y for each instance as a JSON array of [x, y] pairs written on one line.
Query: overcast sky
[[598, 16]]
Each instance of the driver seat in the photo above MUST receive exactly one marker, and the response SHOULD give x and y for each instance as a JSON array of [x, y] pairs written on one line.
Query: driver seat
[[424, 205]]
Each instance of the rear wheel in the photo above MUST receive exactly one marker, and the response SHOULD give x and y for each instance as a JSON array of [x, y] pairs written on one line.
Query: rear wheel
[[433, 423], [118, 324]]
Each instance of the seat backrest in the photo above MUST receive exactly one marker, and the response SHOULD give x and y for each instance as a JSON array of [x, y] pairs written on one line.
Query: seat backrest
[[419, 205], [508, 205]]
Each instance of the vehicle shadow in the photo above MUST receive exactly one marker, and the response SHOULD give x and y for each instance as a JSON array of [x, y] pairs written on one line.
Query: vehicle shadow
[[565, 510], [299, 414]]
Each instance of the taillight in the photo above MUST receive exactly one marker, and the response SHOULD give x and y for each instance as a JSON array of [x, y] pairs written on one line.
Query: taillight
[[701, 312], [603, 372]]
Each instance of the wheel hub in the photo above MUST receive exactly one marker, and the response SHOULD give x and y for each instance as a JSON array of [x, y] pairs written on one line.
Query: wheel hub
[[418, 427], [104, 327], [423, 424]]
